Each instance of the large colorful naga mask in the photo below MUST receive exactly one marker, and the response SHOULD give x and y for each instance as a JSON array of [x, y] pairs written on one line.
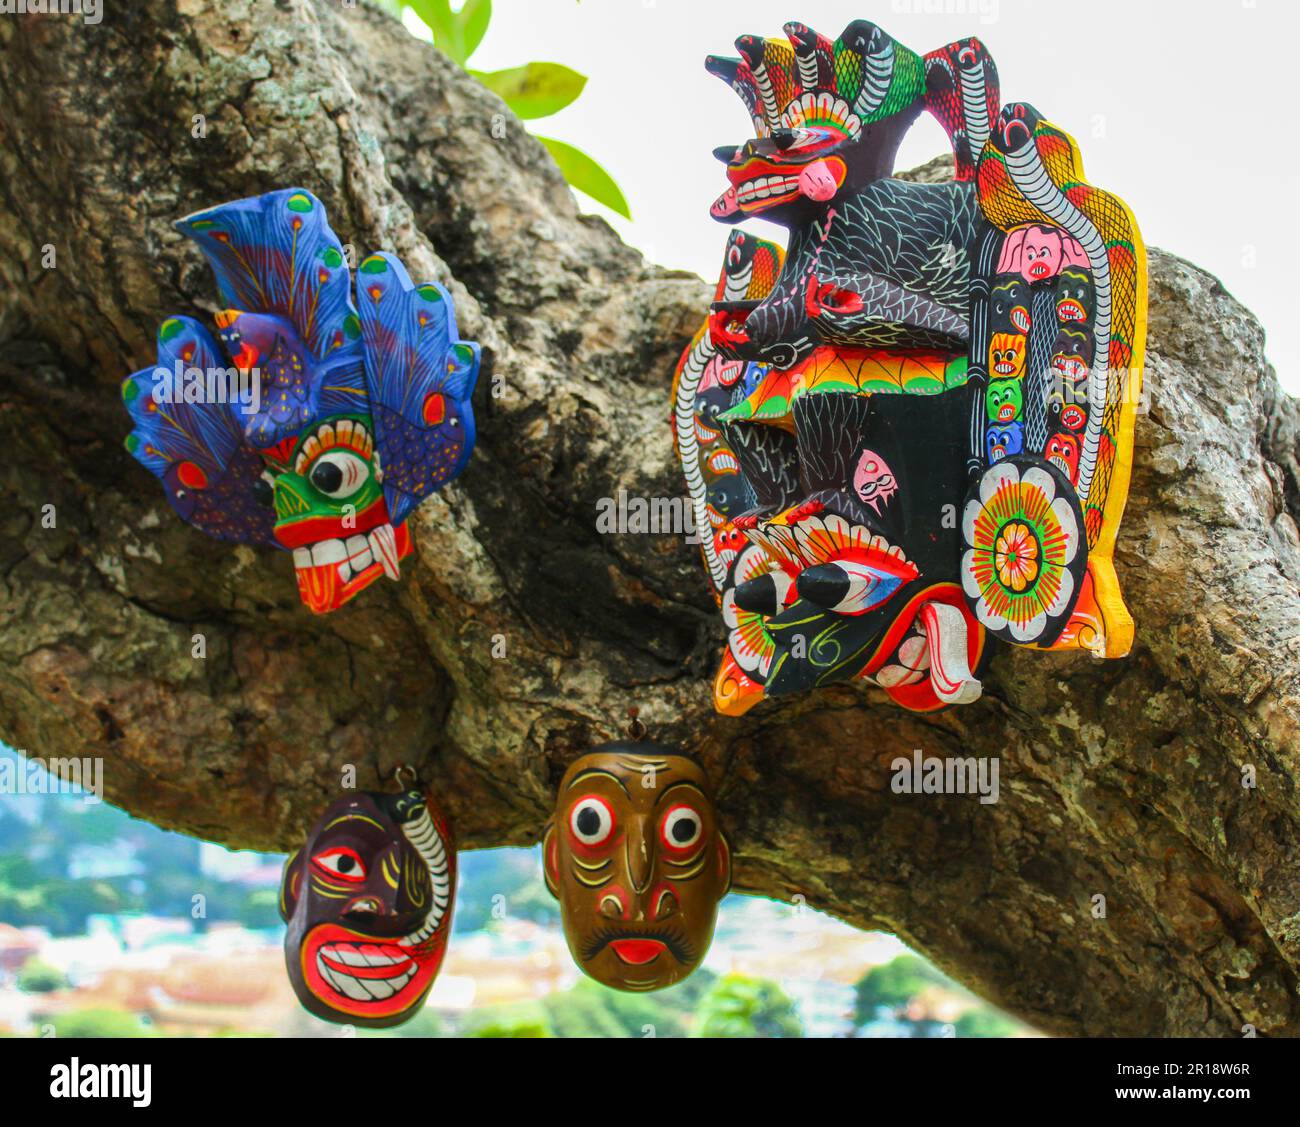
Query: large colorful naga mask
[[636, 858], [316, 425], [368, 902], [911, 430]]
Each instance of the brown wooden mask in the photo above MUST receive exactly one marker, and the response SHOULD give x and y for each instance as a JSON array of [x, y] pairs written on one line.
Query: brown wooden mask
[[635, 856], [368, 902]]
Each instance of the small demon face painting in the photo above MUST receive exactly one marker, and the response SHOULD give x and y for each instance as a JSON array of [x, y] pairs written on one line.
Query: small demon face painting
[[638, 863], [1005, 441], [1007, 357], [368, 902], [1004, 399], [873, 481], [1039, 253]]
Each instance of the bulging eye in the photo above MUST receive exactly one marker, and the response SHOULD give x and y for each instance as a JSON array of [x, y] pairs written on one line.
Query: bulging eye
[[338, 474], [341, 862], [591, 821], [681, 828], [264, 489]]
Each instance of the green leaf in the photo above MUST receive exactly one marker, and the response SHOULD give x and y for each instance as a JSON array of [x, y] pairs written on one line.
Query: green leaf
[[535, 89], [456, 34], [587, 176], [437, 17], [474, 19]]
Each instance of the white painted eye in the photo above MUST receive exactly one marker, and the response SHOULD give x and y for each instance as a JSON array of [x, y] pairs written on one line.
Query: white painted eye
[[682, 827], [591, 821], [338, 474]]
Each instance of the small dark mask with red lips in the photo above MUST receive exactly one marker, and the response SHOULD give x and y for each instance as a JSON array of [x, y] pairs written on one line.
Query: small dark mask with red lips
[[368, 902], [636, 858]]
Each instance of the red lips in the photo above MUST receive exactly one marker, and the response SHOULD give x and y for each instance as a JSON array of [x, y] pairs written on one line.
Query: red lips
[[637, 952]]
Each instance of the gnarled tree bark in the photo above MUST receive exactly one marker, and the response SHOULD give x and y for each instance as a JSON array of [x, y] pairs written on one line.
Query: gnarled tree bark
[[1120, 779]]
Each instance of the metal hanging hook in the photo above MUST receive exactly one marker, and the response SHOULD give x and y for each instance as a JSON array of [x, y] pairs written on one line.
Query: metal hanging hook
[[636, 730], [406, 770]]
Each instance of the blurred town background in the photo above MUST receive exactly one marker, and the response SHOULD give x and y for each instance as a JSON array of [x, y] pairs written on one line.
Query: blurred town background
[[111, 927]]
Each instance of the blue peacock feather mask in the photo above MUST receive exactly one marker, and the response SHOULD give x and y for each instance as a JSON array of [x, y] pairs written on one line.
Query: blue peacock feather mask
[[317, 424]]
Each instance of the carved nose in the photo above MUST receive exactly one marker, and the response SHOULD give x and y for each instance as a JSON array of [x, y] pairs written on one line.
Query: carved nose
[[639, 861], [365, 906]]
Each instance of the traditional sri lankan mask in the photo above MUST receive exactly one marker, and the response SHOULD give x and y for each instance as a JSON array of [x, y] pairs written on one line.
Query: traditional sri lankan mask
[[636, 858], [934, 428], [325, 426], [368, 902]]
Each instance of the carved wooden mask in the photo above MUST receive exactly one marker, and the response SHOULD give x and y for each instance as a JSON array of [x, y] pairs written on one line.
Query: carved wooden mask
[[368, 902], [636, 858]]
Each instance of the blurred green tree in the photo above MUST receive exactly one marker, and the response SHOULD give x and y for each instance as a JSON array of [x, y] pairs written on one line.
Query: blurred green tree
[[893, 984], [100, 1023], [36, 976], [739, 1006], [518, 1019]]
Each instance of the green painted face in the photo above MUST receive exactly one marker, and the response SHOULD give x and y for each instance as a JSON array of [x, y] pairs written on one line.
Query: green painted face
[[331, 513], [1004, 399]]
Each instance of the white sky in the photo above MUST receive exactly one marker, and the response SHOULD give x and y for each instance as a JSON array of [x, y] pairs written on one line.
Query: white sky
[[1153, 90]]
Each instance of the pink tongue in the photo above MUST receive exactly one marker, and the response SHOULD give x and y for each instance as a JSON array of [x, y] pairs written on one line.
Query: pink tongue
[[817, 182], [725, 205]]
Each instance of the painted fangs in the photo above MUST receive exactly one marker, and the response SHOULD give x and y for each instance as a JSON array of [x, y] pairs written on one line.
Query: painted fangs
[[383, 543], [350, 558]]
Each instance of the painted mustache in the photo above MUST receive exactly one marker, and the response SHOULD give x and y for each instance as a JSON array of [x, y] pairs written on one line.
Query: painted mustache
[[673, 940]]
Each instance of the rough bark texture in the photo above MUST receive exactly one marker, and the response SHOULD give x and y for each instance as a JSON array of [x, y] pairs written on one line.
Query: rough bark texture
[[1121, 779]]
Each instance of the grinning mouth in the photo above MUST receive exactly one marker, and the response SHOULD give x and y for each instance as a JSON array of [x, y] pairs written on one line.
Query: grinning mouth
[[367, 977], [330, 572], [1003, 368], [723, 462], [1073, 369], [705, 434], [1062, 465], [766, 188], [1069, 310], [1020, 318], [1006, 413], [366, 972]]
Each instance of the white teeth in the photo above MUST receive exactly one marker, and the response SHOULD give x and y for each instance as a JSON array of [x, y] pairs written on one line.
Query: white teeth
[[383, 543], [349, 955], [344, 983], [363, 955], [359, 553], [328, 552], [764, 187], [361, 989], [354, 556]]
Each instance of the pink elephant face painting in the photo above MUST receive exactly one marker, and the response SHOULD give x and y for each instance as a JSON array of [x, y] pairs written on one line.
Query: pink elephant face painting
[[1038, 253]]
